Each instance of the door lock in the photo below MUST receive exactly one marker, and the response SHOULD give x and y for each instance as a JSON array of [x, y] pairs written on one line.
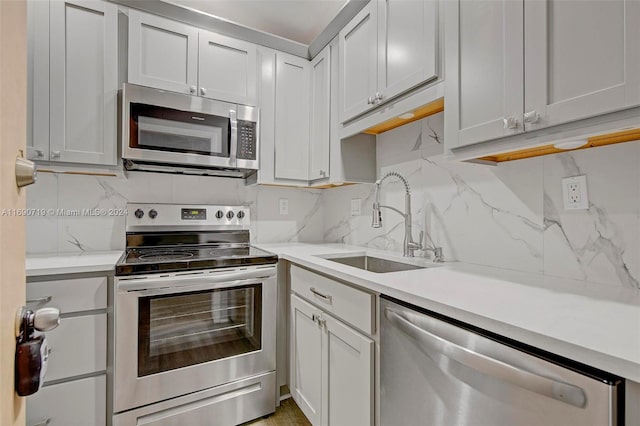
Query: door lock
[[32, 350]]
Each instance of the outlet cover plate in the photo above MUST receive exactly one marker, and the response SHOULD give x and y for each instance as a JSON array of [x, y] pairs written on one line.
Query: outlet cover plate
[[283, 205], [356, 207], [574, 193]]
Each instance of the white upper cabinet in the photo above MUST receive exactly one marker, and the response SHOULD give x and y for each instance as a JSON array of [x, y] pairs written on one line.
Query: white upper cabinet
[[582, 58], [407, 45], [173, 56], [514, 67], [320, 135], [162, 53], [390, 47], [83, 81], [358, 63], [292, 117], [226, 69], [484, 96]]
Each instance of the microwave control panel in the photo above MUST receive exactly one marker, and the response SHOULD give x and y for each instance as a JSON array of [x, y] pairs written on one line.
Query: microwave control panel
[[246, 140]]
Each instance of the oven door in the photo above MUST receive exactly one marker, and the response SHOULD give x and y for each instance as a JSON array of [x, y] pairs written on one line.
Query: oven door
[[182, 333]]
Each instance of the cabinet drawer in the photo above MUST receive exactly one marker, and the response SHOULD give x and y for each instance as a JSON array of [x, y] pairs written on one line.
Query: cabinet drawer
[[354, 306], [76, 403], [78, 346], [74, 295]]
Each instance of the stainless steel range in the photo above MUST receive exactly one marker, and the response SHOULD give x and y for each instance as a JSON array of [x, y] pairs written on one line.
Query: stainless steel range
[[195, 313]]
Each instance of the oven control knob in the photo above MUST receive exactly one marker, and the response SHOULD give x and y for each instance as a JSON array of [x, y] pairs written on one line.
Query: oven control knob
[[240, 214], [139, 213], [219, 214], [153, 213], [229, 215]]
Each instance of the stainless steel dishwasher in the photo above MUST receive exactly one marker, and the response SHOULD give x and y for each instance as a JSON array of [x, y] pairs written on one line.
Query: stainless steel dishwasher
[[439, 372]]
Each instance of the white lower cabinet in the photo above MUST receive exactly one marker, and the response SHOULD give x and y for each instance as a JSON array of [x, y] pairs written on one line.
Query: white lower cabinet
[[348, 387], [306, 359], [331, 375], [74, 391], [78, 346], [78, 403]]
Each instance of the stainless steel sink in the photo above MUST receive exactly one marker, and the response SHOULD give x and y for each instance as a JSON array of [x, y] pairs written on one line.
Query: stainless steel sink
[[375, 264]]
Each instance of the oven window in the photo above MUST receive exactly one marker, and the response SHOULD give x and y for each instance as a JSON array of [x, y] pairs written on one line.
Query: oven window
[[191, 328], [165, 129]]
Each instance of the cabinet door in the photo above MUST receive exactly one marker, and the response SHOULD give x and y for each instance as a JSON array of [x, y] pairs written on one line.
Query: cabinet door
[[75, 403], [292, 117], [348, 381], [484, 92], [226, 69], [38, 80], [83, 77], [162, 53], [582, 58], [306, 358], [358, 63], [320, 115], [407, 45], [71, 357]]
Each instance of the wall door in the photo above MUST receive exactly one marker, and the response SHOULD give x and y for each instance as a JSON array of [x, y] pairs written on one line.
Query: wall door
[[582, 58], [162, 53], [306, 349], [84, 81], [320, 137], [13, 131], [407, 45], [226, 69], [358, 63], [485, 57], [292, 117]]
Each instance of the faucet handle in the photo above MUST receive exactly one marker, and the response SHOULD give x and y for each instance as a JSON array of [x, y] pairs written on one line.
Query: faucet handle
[[420, 239]]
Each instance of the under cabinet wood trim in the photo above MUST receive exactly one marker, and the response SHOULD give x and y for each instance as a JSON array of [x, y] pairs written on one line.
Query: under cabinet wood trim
[[594, 141], [419, 113]]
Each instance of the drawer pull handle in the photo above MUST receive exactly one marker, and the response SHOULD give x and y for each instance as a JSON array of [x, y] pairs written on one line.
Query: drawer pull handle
[[43, 423], [39, 301], [326, 297]]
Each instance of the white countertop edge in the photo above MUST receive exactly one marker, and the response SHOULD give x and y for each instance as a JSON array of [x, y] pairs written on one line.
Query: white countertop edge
[[605, 359], [38, 265]]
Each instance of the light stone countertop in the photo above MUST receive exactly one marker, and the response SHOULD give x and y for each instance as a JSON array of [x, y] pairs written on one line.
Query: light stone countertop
[[595, 324], [71, 263]]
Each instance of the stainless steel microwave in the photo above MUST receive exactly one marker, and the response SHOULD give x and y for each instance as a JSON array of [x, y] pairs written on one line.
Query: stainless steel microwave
[[171, 132]]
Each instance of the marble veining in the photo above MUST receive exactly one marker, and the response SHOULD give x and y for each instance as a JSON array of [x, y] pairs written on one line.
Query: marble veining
[[511, 216]]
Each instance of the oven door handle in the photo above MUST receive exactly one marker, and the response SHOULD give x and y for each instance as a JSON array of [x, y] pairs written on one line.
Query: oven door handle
[[174, 283]]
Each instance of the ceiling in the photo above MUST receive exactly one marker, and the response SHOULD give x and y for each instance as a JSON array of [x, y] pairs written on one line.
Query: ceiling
[[297, 20]]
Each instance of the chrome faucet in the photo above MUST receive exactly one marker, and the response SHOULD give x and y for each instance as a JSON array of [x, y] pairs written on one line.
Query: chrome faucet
[[409, 245]]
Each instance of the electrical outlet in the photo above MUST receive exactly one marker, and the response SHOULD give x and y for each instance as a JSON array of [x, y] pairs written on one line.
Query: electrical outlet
[[356, 207], [574, 193], [284, 206]]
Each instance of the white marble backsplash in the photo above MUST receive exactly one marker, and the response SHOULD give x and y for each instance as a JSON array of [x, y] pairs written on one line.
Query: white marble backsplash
[[60, 234], [510, 216]]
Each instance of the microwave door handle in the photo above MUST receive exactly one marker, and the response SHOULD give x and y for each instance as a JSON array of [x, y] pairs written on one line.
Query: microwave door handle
[[233, 148]]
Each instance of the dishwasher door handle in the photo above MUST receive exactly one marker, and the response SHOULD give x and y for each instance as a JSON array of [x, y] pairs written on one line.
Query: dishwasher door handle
[[560, 391]]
